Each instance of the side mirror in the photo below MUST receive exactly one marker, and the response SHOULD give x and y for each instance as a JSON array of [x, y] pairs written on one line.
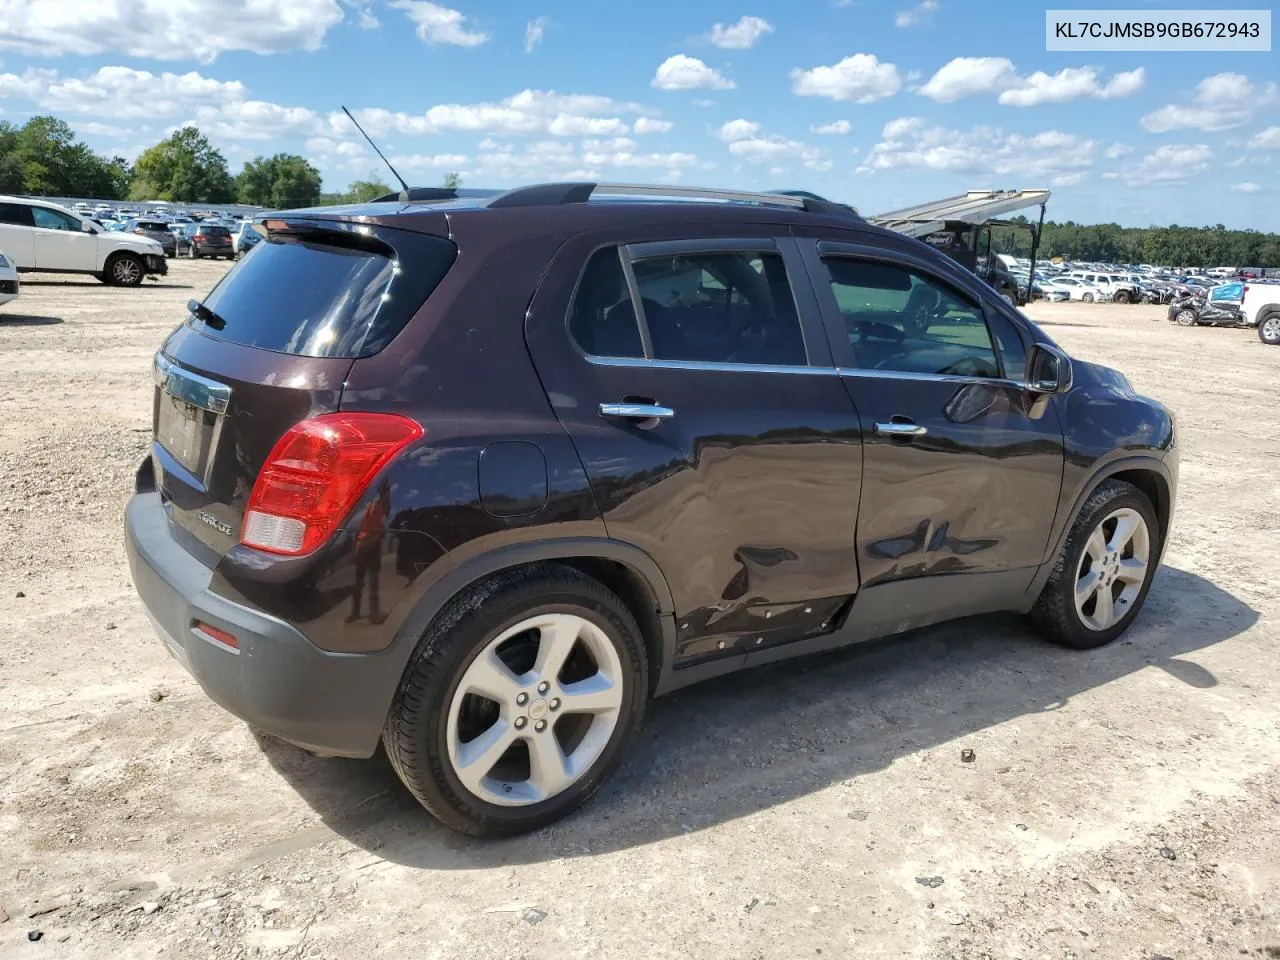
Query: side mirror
[[1048, 370], [86, 226]]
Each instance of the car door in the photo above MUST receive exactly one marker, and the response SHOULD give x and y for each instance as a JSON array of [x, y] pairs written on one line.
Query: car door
[[17, 236], [695, 380], [62, 243], [962, 465]]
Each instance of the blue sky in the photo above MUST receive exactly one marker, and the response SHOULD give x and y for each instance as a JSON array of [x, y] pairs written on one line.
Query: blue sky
[[880, 104]]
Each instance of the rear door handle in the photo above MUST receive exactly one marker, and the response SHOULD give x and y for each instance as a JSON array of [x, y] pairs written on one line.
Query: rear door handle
[[636, 411], [895, 429]]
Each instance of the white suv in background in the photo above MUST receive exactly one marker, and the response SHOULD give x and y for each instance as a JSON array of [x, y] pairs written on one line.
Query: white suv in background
[[37, 235], [8, 279]]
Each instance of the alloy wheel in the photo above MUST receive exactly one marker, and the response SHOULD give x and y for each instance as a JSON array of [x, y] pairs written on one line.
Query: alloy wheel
[[1269, 330], [126, 270], [1186, 318], [534, 710], [1112, 569]]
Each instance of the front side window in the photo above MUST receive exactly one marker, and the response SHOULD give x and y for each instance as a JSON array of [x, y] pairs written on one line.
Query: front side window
[[901, 320], [54, 219], [720, 308]]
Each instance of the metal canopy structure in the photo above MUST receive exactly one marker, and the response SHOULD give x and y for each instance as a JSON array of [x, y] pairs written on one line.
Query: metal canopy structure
[[975, 207]]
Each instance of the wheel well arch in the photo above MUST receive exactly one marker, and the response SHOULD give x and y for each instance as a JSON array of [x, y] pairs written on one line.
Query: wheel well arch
[[626, 570], [1156, 489]]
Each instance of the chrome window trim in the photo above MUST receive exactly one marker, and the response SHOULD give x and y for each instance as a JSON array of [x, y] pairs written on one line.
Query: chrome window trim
[[190, 387], [929, 377], [709, 366]]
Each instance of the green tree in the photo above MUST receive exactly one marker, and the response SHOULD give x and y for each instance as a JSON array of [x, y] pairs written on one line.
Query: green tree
[[184, 167], [361, 191], [452, 181], [44, 157], [284, 180]]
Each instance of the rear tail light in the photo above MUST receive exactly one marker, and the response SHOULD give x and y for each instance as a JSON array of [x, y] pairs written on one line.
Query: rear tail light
[[316, 473]]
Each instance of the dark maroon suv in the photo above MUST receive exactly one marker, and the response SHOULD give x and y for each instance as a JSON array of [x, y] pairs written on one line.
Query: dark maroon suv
[[476, 478]]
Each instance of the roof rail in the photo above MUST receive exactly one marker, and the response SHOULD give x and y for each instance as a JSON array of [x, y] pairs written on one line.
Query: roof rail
[[545, 194]]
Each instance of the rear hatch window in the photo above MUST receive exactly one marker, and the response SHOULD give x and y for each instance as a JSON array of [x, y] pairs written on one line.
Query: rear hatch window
[[316, 292], [214, 232]]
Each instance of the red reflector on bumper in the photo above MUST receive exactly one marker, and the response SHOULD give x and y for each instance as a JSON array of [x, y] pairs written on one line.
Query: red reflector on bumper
[[221, 636]]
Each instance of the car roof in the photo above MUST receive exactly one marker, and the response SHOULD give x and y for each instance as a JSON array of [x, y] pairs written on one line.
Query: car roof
[[36, 201], [583, 205]]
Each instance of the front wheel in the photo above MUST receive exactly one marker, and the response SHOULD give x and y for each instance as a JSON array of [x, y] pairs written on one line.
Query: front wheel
[[1186, 318], [1121, 296], [1087, 298], [519, 701], [1104, 570], [125, 271]]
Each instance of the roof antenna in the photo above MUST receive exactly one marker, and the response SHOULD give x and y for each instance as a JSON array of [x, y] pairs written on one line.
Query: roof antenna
[[404, 187]]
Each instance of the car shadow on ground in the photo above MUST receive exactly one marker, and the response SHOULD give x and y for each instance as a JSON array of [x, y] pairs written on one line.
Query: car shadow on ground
[[733, 746], [23, 320]]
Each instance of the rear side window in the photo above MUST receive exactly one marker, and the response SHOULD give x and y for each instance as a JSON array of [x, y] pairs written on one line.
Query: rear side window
[[710, 308], [16, 214], [602, 320], [319, 295], [721, 308]]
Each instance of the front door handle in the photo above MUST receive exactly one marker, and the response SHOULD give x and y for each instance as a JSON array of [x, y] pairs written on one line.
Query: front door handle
[[895, 429], [636, 411]]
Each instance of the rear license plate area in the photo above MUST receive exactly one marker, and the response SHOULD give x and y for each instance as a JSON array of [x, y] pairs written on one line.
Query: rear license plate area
[[189, 413]]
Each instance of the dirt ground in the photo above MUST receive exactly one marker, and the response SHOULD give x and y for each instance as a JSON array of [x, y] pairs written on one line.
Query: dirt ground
[[1123, 803]]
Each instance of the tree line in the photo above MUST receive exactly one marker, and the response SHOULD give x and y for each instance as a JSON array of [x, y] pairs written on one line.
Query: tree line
[[1172, 246], [43, 158]]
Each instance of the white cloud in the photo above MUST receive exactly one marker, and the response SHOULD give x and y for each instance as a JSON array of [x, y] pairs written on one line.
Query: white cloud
[[1117, 150], [741, 35], [1071, 84], [688, 73], [255, 120], [436, 24], [747, 143], [527, 112], [1069, 179], [737, 130], [1265, 139], [365, 18], [835, 127], [1220, 102], [1247, 186], [165, 29], [861, 78], [346, 149], [971, 76], [914, 16], [94, 129], [416, 162], [651, 125], [533, 31], [911, 143], [1169, 165], [120, 92], [704, 103], [777, 171]]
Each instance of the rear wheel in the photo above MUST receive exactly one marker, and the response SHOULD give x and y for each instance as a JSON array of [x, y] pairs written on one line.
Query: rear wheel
[[1269, 329], [519, 701], [1087, 298], [1103, 572], [1186, 318], [1122, 296]]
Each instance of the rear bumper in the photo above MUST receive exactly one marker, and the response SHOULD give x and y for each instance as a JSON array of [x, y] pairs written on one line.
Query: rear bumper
[[278, 680]]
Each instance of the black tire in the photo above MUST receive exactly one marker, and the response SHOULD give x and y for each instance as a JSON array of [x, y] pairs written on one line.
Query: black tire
[[124, 270], [1054, 615], [1269, 329], [1122, 296], [1186, 318], [415, 731]]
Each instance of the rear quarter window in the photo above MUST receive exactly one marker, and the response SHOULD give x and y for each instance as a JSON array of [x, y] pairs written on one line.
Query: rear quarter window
[[328, 294]]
